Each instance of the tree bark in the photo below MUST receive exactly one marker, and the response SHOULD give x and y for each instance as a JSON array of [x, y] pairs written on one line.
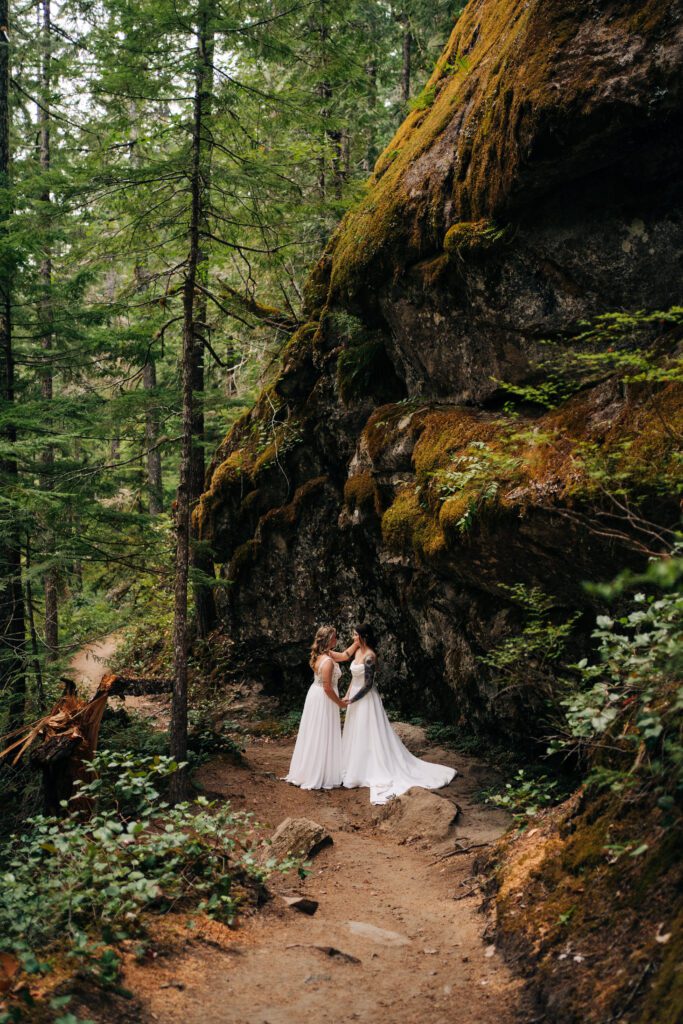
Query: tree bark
[[406, 65], [201, 560], [30, 616], [178, 732], [155, 490], [50, 580], [370, 147], [12, 629], [154, 479]]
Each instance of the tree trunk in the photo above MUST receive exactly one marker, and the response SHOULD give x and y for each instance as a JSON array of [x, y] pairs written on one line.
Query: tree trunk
[[205, 606], [178, 733], [405, 69], [12, 631], [32, 629], [201, 559], [154, 479], [155, 491], [370, 147], [50, 580]]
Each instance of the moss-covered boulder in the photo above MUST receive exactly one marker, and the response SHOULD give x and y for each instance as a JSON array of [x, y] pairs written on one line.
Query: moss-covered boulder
[[533, 188]]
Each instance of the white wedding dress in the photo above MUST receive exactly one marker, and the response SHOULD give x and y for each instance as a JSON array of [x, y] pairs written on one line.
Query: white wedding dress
[[374, 756], [317, 761]]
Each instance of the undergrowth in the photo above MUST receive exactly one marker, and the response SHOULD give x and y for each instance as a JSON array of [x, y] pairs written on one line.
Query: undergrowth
[[622, 710], [75, 888]]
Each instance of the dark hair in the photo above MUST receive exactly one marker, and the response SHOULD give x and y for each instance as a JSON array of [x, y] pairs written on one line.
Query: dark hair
[[367, 634]]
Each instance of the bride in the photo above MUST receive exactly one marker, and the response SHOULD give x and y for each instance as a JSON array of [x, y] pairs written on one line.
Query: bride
[[317, 758], [372, 753]]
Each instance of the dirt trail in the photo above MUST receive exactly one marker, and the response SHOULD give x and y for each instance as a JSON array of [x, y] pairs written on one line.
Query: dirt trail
[[435, 966], [92, 662], [424, 958]]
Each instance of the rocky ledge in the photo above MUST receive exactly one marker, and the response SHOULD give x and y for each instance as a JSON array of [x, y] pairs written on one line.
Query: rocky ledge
[[485, 376]]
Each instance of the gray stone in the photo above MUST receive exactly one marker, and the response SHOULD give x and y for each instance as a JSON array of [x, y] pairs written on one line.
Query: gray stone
[[380, 935], [298, 837], [302, 903], [419, 814]]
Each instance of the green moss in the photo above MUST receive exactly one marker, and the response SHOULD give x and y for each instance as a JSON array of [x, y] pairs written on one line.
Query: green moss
[[585, 849], [400, 519], [361, 492], [444, 434], [243, 558], [667, 854], [469, 238], [455, 512], [299, 345], [407, 527], [226, 474], [381, 429], [649, 18], [470, 466], [663, 1003], [380, 224], [505, 97], [424, 99], [564, 885], [287, 516], [317, 284]]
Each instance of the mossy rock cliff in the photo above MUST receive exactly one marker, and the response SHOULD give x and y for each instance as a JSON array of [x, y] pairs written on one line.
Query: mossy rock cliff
[[534, 188], [486, 389]]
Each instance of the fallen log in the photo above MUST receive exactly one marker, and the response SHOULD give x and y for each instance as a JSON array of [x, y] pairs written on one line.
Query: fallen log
[[135, 686], [68, 736]]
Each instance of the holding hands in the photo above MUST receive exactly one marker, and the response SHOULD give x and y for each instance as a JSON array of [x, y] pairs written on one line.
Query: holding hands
[[341, 656]]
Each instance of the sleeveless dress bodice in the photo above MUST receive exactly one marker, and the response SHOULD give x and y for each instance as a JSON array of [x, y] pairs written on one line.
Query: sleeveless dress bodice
[[336, 676], [316, 761]]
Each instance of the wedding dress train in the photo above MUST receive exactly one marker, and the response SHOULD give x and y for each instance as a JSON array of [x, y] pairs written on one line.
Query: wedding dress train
[[374, 756], [317, 761]]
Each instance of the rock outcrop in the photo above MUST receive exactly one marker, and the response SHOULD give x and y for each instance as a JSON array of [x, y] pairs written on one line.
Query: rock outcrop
[[444, 425]]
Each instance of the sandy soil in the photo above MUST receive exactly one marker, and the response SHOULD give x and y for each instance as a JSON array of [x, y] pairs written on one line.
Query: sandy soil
[[412, 920]]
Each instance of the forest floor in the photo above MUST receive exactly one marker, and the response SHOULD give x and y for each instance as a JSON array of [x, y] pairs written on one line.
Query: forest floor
[[412, 921]]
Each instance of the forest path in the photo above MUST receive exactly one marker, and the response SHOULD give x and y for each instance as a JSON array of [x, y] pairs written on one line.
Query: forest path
[[91, 663], [435, 965], [413, 921]]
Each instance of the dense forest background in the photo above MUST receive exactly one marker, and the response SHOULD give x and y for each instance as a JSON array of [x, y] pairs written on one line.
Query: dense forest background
[[142, 143]]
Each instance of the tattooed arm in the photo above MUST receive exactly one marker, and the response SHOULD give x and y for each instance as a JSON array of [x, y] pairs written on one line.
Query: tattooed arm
[[344, 655], [370, 662]]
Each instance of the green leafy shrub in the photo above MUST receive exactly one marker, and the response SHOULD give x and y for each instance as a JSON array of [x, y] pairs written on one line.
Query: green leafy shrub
[[528, 664], [208, 739], [625, 717], [639, 347], [124, 730], [526, 795], [78, 887]]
